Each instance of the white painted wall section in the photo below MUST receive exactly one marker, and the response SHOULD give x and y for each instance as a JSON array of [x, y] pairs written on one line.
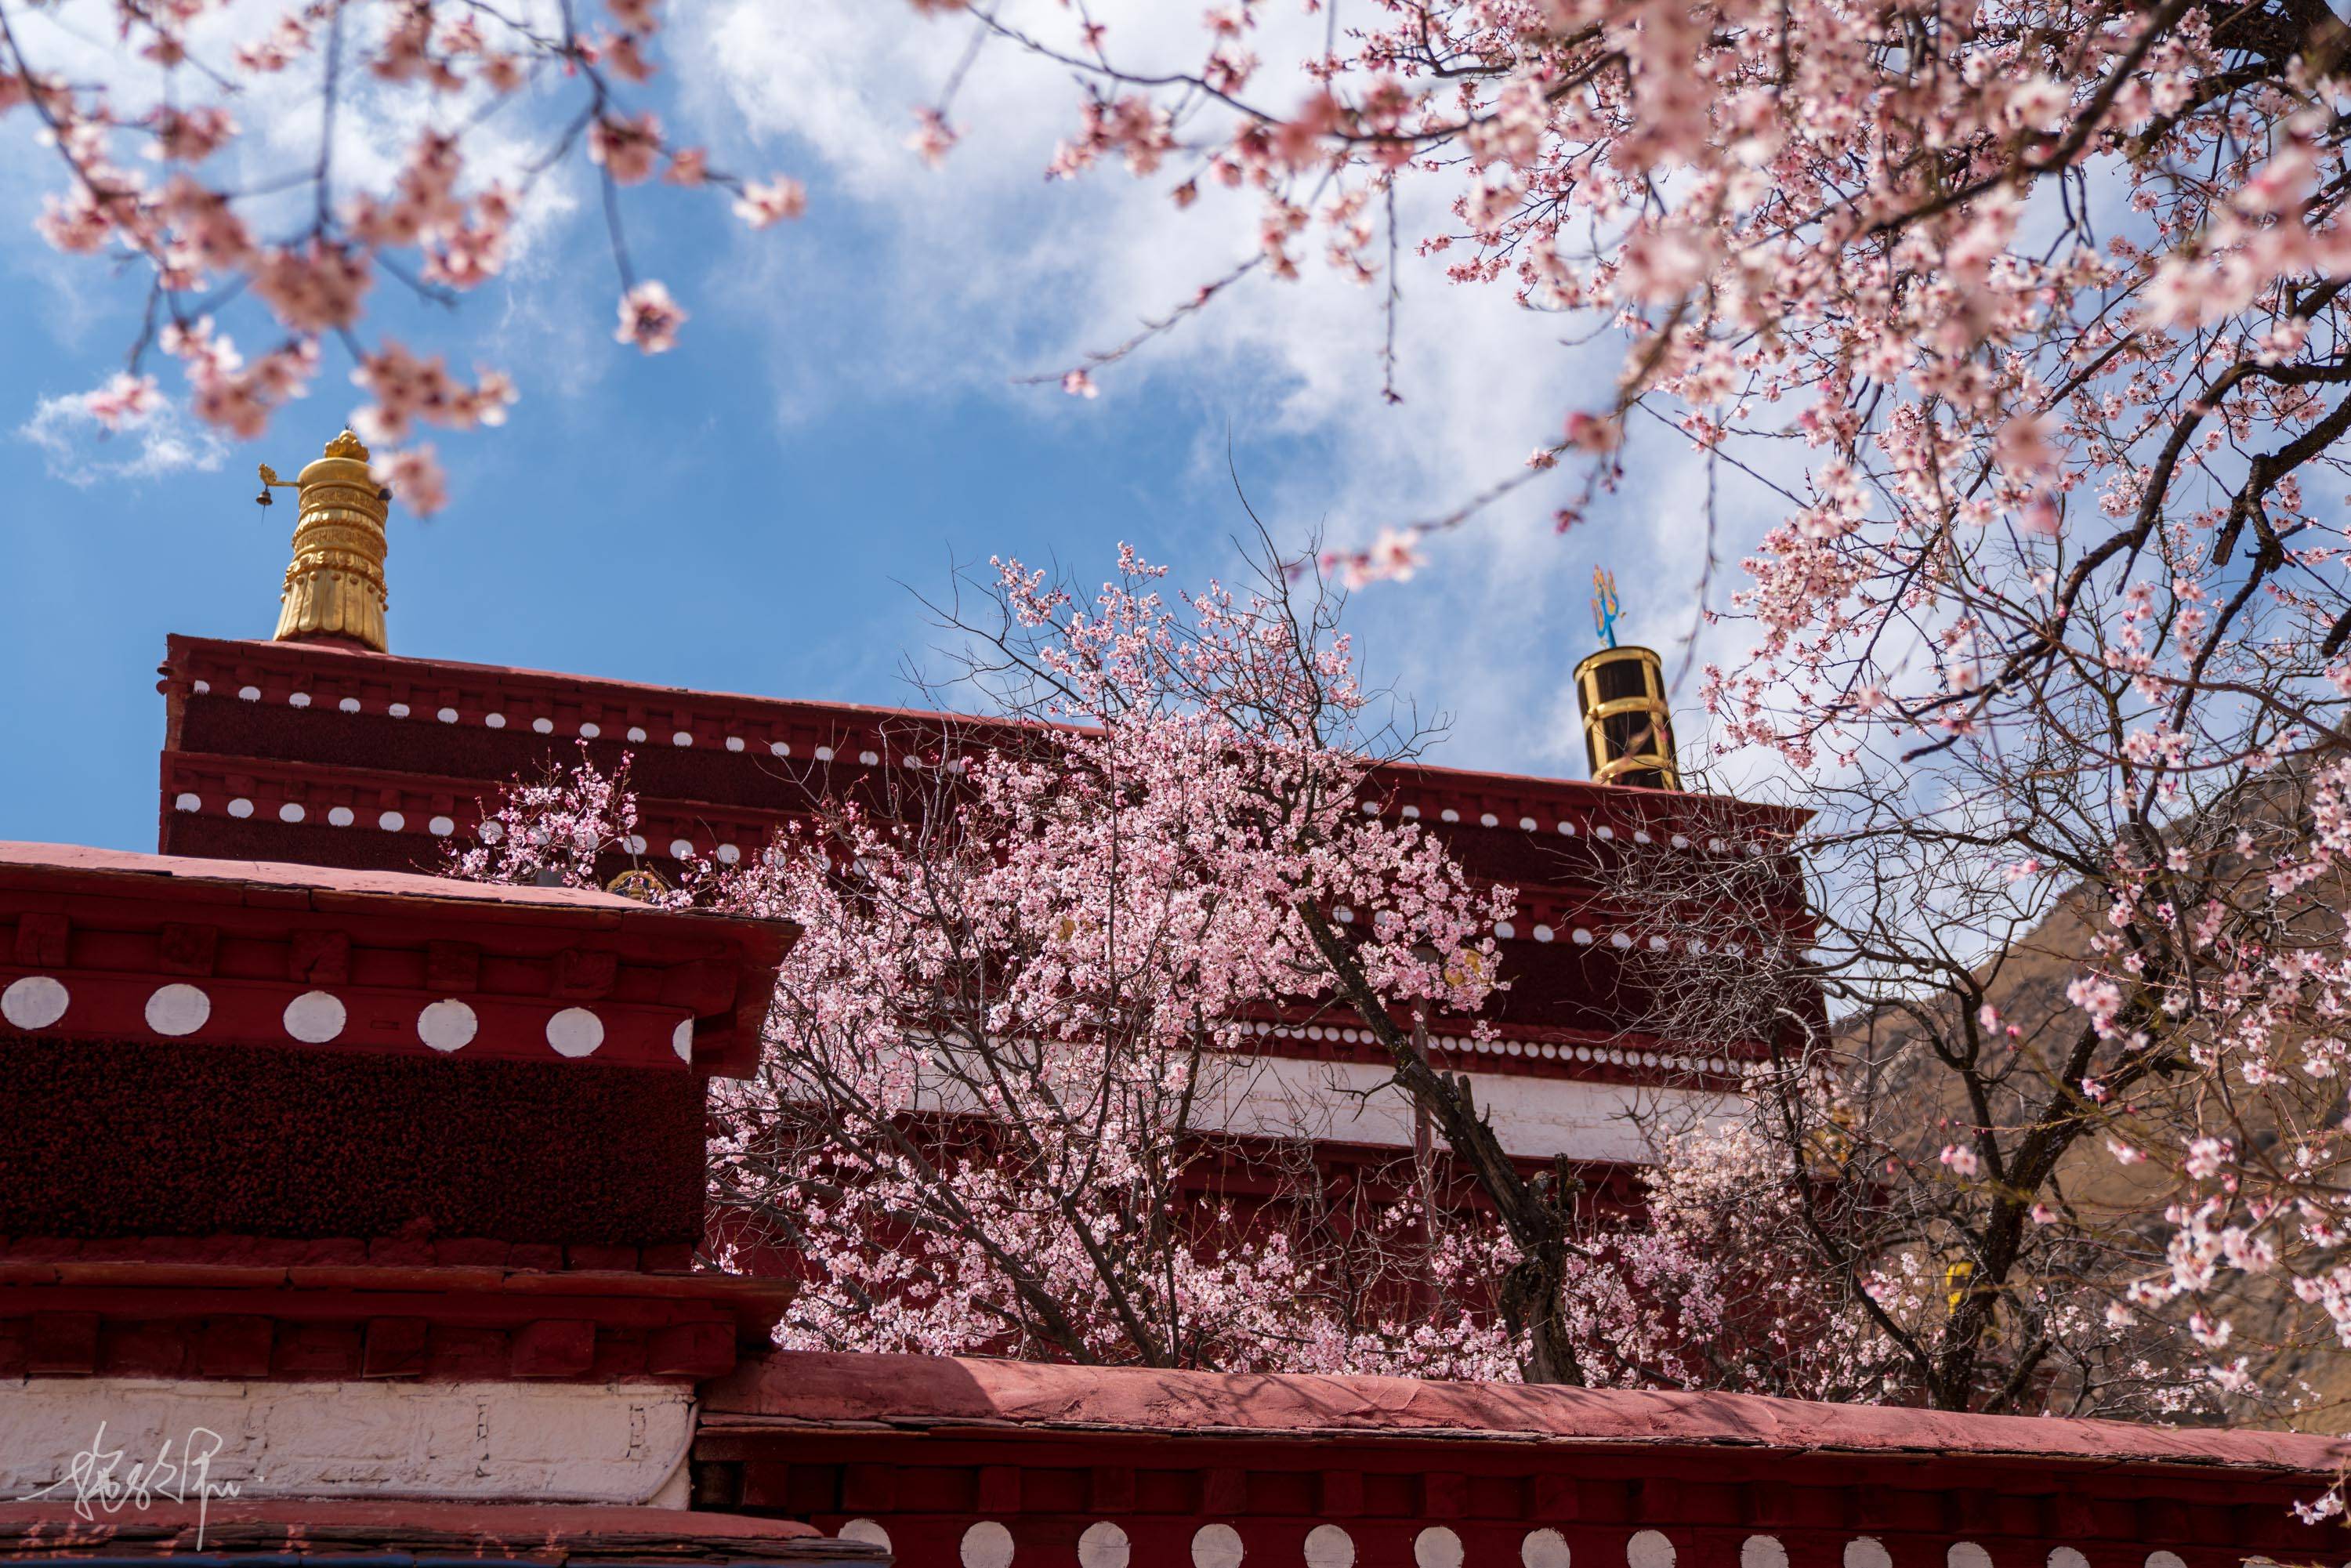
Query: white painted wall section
[[1355, 1102], [459, 1441]]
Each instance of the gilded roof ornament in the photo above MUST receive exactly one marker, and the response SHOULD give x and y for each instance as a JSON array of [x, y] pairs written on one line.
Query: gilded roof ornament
[[640, 882], [335, 589]]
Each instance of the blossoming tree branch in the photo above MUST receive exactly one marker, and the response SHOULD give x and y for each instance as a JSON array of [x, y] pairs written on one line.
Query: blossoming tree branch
[[2026, 319], [165, 177]]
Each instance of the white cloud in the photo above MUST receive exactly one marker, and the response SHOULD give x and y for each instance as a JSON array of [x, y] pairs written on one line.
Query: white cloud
[[961, 279], [986, 272], [80, 450]]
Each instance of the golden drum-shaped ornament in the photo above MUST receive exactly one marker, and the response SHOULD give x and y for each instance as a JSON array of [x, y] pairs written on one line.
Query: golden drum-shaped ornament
[[335, 588], [1628, 730]]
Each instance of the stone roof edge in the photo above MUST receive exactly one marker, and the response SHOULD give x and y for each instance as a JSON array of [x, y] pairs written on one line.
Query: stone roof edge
[[899, 1393]]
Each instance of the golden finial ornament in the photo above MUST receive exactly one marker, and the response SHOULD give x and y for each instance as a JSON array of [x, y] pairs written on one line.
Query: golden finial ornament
[[1629, 727], [640, 882], [335, 587]]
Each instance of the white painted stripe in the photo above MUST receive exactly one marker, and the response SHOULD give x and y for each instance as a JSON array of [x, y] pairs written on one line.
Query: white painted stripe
[[1356, 1102], [1353, 1102], [591, 1443]]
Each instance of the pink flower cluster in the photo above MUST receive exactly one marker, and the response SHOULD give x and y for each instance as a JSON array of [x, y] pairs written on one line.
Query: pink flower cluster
[[982, 1124]]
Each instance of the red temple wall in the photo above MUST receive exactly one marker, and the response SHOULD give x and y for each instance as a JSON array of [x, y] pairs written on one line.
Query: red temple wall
[[134, 1139]]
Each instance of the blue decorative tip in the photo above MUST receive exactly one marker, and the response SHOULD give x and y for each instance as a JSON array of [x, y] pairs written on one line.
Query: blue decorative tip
[[1604, 607]]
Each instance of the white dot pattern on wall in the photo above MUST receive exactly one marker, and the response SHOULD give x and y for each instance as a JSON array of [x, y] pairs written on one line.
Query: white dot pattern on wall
[[187, 803], [866, 1530], [1437, 1547], [447, 716], [1216, 1546], [542, 726], [1544, 1549], [681, 1040], [1544, 934], [1967, 1554], [591, 730], [314, 1017], [869, 757], [291, 812], [298, 699], [178, 1009], [777, 748], [2153, 1560], [448, 1025], [682, 737], [634, 843], [575, 1032], [1411, 810], [1649, 1549], [1449, 815], [734, 743], [1103, 1545], [986, 1544], [249, 693], [1526, 824], [348, 705], [398, 710], [495, 720], [240, 808], [34, 1001], [391, 822], [1329, 1546], [1488, 820], [1603, 831], [341, 816], [201, 687], [728, 854], [681, 849], [2059, 1557], [441, 827], [1766, 1552], [1868, 1551], [637, 734]]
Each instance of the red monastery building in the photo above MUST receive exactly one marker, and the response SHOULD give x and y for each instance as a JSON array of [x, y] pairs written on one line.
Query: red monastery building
[[308, 752], [350, 1213]]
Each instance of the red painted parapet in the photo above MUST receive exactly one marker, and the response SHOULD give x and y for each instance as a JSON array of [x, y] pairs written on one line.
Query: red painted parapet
[[994, 1463], [299, 1123], [102, 945], [233, 1308]]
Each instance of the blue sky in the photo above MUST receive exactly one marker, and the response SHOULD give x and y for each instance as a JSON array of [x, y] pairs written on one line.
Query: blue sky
[[840, 425]]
